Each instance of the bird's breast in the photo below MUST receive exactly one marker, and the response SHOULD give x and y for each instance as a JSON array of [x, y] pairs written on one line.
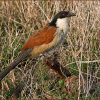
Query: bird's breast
[[46, 47]]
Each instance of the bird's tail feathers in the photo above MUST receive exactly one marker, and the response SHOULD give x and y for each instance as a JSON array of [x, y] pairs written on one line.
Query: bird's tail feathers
[[20, 58]]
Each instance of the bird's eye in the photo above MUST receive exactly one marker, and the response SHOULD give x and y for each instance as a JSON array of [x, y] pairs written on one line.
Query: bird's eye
[[63, 14]]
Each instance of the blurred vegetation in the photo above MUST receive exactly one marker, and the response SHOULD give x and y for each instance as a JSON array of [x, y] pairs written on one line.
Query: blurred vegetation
[[19, 19]]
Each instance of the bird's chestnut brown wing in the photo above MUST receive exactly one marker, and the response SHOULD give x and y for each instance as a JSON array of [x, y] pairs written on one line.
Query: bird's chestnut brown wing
[[44, 36]]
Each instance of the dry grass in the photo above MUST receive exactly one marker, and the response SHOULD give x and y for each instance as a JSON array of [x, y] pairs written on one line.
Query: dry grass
[[18, 19]]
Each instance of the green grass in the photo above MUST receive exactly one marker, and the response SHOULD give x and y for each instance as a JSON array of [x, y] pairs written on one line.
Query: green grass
[[19, 19]]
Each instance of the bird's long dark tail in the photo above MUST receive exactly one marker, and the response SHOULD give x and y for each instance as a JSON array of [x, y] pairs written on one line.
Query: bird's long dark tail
[[20, 58]]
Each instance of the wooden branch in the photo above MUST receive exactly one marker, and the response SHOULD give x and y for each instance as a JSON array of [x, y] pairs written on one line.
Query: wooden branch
[[52, 64]]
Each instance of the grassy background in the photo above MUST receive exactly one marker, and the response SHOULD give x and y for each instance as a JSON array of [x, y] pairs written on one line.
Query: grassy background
[[19, 19]]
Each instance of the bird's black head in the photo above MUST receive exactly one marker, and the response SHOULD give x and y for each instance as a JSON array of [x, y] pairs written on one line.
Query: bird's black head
[[61, 15]]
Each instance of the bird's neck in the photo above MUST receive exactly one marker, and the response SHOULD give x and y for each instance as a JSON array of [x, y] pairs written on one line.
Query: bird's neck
[[62, 24]]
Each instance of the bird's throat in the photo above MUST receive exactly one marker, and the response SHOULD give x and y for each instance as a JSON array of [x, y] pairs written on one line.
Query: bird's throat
[[62, 25]]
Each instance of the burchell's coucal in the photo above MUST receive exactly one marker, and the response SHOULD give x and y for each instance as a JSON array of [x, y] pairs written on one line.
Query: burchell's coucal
[[45, 40]]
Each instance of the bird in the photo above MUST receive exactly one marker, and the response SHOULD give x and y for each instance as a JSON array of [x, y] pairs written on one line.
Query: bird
[[45, 40]]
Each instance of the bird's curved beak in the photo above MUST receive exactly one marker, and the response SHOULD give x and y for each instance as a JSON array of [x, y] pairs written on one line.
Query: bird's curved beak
[[71, 14]]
